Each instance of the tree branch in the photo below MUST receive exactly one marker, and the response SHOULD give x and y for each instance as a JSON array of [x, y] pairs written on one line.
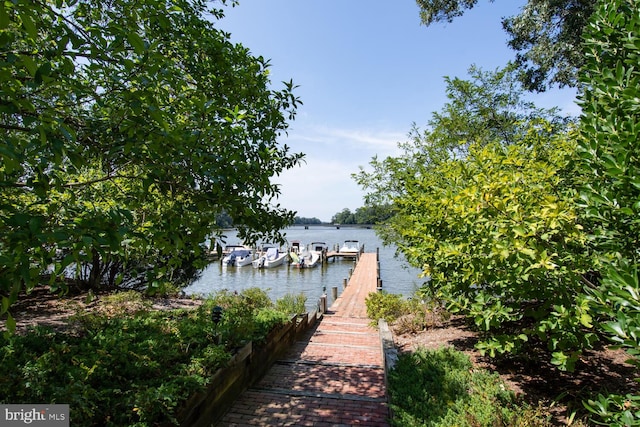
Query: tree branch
[[98, 180]]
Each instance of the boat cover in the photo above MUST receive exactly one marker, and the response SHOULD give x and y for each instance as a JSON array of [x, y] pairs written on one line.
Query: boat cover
[[242, 253], [272, 253]]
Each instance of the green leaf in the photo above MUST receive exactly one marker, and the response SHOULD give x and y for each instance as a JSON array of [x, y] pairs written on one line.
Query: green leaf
[[136, 42], [586, 320], [519, 231], [11, 323], [5, 305], [4, 16], [616, 329], [29, 64], [27, 23]]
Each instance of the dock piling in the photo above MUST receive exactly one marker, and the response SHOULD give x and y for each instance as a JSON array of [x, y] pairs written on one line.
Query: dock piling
[[322, 304]]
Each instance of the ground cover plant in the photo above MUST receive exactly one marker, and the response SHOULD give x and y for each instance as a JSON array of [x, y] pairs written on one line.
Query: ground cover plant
[[442, 388], [127, 364], [544, 394]]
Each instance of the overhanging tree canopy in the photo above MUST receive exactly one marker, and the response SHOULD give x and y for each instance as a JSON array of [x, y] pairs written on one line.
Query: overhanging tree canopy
[[126, 129], [547, 36]]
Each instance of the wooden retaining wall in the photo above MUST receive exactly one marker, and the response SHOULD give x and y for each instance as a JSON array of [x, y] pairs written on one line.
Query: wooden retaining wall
[[244, 369]]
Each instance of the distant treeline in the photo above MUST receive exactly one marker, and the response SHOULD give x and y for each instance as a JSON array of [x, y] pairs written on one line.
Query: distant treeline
[[299, 220], [363, 215]]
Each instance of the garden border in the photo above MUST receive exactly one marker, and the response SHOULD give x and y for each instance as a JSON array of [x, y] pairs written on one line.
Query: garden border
[[246, 367]]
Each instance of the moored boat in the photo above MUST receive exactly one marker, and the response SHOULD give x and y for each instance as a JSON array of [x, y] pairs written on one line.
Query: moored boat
[[304, 258], [238, 257], [318, 247], [351, 247], [271, 257]]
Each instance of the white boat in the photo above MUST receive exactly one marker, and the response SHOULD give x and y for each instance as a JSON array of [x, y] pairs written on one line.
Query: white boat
[[238, 257], [350, 247], [272, 257], [296, 247], [230, 248], [303, 257], [318, 247]]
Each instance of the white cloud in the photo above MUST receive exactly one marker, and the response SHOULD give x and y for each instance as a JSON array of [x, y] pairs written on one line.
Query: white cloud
[[322, 185], [369, 142]]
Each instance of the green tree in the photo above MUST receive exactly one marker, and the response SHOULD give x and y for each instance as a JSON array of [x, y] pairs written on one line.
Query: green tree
[[302, 221], [546, 35], [373, 214], [488, 213], [610, 161], [344, 217], [369, 215], [490, 106], [126, 131]]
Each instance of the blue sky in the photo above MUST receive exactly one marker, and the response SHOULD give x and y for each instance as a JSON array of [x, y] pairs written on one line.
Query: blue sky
[[367, 70]]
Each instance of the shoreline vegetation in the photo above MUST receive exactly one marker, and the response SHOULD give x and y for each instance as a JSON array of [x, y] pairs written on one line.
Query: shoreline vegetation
[[110, 343], [443, 378], [128, 132], [122, 359]]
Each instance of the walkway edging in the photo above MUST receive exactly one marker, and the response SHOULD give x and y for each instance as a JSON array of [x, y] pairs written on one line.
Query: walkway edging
[[389, 356]]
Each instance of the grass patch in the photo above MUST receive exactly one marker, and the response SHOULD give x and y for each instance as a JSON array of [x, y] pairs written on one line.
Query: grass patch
[[441, 388]]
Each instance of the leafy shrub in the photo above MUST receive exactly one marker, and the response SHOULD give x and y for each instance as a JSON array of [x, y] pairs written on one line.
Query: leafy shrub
[[609, 153], [267, 319], [484, 204], [256, 298], [238, 324], [407, 316], [133, 368], [383, 305], [126, 370], [422, 314], [293, 304], [615, 410]]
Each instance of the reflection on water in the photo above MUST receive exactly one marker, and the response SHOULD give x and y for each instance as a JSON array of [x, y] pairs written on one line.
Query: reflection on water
[[397, 277]]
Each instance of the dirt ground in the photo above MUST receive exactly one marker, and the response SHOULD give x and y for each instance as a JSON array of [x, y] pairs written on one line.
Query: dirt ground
[[41, 308], [535, 382]]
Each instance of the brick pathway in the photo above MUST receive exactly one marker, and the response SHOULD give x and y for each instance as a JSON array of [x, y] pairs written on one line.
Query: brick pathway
[[333, 376]]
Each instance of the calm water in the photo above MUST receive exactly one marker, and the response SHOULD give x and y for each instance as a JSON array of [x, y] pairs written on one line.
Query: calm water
[[397, 277]]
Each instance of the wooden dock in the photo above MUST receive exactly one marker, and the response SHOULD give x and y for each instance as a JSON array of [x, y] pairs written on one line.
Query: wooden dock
[[363, 281], [333, 376], [335, 253]]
